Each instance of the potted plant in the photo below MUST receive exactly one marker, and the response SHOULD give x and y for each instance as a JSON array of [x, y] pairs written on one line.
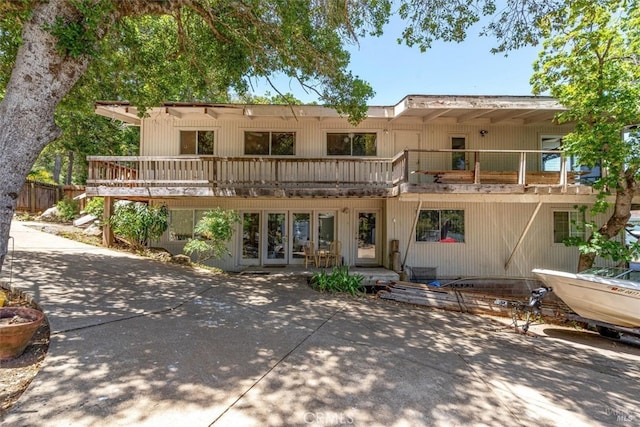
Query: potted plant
[[17, 326]]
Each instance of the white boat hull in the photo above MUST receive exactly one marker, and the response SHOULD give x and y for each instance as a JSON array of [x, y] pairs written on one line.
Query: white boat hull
[[593, 297]]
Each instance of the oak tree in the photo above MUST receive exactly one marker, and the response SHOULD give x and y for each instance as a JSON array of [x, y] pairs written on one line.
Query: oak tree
[[591, 64]]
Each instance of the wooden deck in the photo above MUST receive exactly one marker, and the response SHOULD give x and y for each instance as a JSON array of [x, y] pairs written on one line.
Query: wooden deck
[[146, 177], [498, 177]]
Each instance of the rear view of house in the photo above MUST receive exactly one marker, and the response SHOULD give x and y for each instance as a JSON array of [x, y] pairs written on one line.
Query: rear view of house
[[466, 185]]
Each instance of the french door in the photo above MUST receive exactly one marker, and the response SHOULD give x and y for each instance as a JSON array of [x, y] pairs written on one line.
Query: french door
[[276, 238], [279, 237]]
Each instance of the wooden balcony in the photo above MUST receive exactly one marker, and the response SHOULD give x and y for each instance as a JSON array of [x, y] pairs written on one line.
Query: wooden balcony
[[415, 171]]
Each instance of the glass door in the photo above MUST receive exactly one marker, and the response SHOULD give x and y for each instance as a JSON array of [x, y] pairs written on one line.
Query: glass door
[[276, 244], [458, 160], [367, 248], [300, 235], [250, 238]]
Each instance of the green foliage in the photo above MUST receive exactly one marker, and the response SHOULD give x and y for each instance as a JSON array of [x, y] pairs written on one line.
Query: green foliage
[[80, 36], [138, 222], [338, 281], [95, 207], [214, 230], [68, 209], [41, 175]]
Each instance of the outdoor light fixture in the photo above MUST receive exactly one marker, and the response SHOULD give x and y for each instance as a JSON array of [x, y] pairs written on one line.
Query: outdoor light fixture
[[483, 132]]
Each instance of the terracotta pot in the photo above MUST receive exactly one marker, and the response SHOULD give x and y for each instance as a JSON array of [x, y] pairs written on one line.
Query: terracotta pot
[[15, 337]]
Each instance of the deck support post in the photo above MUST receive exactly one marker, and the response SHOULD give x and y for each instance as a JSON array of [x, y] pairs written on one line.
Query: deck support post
[[411, 235], [107, 232], [522, 236]]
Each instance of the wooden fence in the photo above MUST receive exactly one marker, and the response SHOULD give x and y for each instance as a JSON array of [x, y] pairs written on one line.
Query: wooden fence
[[39, 196]]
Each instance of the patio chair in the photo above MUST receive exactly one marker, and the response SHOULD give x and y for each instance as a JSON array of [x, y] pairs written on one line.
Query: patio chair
[[335, 253], [310, 254]]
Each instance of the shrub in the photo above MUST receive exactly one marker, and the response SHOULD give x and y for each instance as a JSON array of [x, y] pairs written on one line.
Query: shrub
[[213, 231], [95, 207], [138, 222], [68, 209], [338, 281]]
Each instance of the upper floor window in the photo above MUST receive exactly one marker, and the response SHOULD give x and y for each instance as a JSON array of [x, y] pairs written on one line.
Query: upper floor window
[[270, 143], [351, 144], [198, 142], [567, 224], [445, 226]]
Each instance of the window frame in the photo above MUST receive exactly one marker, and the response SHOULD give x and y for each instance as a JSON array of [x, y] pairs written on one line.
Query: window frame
[[270, 142], [441, 225], [197, 142], [196, 215], [580, 220], [351, 137]]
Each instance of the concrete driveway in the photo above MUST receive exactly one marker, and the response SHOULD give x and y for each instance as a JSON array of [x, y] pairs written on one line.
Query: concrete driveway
[[138, 342]]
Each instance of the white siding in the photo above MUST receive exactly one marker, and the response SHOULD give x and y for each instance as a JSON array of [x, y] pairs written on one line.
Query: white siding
[[160, 136], [492, 231]]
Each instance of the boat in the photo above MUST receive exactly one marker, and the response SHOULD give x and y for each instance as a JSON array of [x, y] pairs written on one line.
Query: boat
[[609, 295]]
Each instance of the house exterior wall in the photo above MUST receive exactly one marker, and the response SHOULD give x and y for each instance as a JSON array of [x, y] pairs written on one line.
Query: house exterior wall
[[346, 211], [493, 227], [492, 232], [161, 132]]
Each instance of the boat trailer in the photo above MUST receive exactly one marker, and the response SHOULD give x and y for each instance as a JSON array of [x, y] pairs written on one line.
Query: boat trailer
[[532, 310]]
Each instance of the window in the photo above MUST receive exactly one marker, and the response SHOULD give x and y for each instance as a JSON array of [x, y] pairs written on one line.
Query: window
[[567, 224], [182, 222], [270, 143], [196, 142], [351, 144], [445, 226]]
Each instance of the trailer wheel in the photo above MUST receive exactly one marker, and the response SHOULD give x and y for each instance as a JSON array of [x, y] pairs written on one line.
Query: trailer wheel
[[608, 332]]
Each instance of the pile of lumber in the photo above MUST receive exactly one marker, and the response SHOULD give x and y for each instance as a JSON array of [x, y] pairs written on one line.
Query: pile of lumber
[[493, 300]]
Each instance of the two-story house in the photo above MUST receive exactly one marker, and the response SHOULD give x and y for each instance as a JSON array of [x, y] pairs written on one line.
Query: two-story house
[[469, 185]]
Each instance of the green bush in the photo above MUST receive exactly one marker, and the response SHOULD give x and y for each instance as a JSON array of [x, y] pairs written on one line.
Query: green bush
[[139, 223], [338, 281], [95, 207], [68, 209], [213, 231]]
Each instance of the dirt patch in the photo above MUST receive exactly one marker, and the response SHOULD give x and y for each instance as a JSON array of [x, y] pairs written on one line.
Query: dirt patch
[[16, 374]]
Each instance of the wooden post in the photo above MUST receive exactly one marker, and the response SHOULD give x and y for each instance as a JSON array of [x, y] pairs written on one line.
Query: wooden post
[[107, 232], [522, 236], [412, 235]]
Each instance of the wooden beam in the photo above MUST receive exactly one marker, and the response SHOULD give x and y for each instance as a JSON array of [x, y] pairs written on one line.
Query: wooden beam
[[412, 234], [107, 232], [523, 235], [117, 114], [210, 112], [434, 115], [174, 112]]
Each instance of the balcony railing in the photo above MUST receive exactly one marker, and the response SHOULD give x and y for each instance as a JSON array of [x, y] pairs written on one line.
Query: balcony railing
[[421, 167], [239, 171]]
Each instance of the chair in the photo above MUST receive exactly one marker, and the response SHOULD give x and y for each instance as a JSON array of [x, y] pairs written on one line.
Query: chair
[[310, 254], [335, 253]]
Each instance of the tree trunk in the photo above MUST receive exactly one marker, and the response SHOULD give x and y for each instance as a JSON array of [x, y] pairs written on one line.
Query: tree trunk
[[69, 177], [39, 80], [619, 218], [57, 167]]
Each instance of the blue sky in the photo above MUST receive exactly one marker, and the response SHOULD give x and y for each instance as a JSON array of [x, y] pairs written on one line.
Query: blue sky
[[395, 71]]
